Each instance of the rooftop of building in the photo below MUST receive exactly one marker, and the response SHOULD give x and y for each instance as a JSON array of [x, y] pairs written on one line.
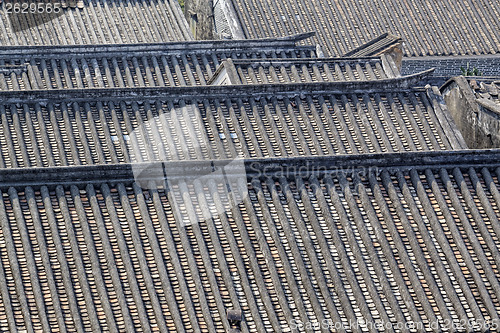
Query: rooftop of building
[[354, 196], [391, 238], [447, 27], [133, 65], [264, 71], [94, 22], [96, 126]]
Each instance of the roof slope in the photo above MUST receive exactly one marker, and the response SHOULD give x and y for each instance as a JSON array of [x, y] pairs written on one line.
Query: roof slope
[[132, 65], [446, 27], [377, 46], [98, 22], [96, 126], [252, 71], [391, 239]]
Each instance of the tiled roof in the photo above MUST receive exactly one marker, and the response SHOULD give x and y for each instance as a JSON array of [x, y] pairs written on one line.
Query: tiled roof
[[376, 46], [403, 238], [73, 127], [98, 22], [307, 70], [445, 27], [132, 65]]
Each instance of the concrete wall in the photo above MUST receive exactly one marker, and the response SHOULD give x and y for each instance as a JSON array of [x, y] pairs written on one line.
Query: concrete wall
[[200, 17], [480, 126]]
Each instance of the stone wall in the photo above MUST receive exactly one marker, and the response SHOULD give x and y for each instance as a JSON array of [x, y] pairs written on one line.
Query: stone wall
[[200, 17], [480, 126], [447, 67]]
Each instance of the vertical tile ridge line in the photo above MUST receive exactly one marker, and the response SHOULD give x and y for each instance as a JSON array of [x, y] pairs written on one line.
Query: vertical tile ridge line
[[30, 261], [413, 117], [113, 154], [25, 160], [248, 128], [344, 126], [257, 187], [442, 240], [204, 253], [254, 265], [365, 122], [109, 257], [395, 306], [69, 132], [295, 254], [272, 135], [476, 215], [389, 129], [318, 192], [12, 257], [94, 258], [344, 258], [139, 195], [94, 321], [353, 243], [330, 149], [99, 151], [179, 271], [8, 137], [87, 154], [164, 277], [4, 291], [431, 248], [479, 251], [400, 122], [438, 293], [66, 274], [490, 185], [386, 248], [426, 128], [240, 265], [59, 142], [124, 252], [459, 242], [214, 237], [43, 248], [188, 245], [281, 122], [402, 251]]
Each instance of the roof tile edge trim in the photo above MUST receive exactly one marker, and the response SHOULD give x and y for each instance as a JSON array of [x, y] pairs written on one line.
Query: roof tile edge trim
[[15, 177], [352, 87]]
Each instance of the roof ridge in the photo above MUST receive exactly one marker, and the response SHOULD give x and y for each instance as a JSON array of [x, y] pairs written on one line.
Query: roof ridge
[[186, 46], [124, 172], [60, 95]]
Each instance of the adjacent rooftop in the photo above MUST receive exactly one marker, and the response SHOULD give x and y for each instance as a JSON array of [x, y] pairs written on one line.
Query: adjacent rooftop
[[96, 22], [388, 238], [446, 27]]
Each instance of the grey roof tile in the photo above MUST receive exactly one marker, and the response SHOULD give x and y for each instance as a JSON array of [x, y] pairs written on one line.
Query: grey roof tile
[[394, 238], [97, 22], [132, 65], [101, 126], [447, 27], [264, 71]]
